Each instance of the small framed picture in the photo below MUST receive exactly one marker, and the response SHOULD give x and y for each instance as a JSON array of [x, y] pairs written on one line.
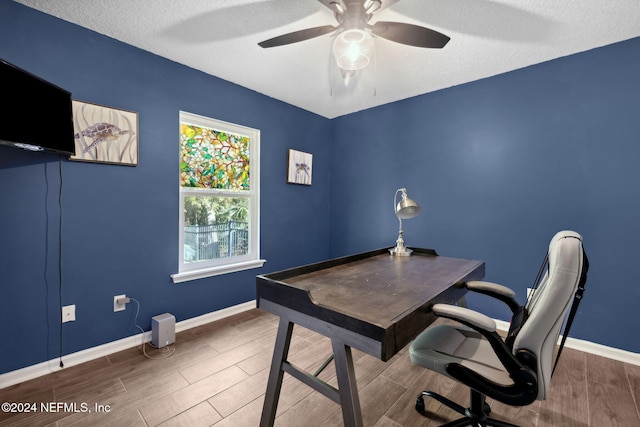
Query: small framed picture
[[300, 167]]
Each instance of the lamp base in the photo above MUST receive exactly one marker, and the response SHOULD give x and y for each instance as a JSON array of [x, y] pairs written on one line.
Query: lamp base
[[400, 251]]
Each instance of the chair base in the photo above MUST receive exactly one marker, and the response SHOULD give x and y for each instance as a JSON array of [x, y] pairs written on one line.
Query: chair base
[[475, 415]]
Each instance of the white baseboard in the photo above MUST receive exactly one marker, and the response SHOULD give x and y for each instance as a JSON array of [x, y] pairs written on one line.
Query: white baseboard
[[44, 368], [590, 347]]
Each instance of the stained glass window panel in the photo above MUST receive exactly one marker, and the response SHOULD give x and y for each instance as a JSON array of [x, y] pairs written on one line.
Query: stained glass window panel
[[213, 159]]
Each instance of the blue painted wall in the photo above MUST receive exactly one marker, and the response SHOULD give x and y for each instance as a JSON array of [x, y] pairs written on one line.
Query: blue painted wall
[[119, 223], [500, 165]]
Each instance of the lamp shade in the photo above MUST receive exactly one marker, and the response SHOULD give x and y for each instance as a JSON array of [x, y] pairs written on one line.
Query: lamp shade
[[353, 49], [407, 208]]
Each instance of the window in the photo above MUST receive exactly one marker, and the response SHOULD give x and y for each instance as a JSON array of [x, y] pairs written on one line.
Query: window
[[219, 198]]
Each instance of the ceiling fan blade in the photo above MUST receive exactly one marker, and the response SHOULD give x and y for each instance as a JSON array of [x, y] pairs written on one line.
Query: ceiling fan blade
[[409, 34], [297, 36]]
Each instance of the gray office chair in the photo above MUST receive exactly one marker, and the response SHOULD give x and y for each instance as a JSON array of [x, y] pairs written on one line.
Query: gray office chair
[[515, 370]]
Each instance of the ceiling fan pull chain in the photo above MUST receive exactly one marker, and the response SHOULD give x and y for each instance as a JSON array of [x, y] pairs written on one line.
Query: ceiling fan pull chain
[[375, 74], [330, 74]]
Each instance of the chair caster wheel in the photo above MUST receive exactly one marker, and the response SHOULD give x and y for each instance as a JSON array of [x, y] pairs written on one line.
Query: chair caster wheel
[[420, 405]]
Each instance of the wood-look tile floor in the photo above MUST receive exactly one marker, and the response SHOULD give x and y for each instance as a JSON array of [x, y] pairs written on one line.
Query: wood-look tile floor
[[218, 374]]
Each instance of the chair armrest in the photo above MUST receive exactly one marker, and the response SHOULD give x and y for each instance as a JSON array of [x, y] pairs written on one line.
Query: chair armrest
[[490, 288], [495, 290], [466, 316]]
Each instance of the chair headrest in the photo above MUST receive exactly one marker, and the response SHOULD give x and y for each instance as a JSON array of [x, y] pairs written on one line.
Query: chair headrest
[[563, 235]]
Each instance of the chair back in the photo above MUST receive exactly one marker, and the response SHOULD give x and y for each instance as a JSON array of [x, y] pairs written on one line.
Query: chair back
[[548, 306]]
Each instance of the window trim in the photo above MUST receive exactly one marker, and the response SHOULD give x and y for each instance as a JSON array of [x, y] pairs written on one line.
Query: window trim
[[216, 271], [193, 271]]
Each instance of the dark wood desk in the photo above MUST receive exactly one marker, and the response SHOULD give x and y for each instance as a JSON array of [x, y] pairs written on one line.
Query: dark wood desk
[[372, 301]]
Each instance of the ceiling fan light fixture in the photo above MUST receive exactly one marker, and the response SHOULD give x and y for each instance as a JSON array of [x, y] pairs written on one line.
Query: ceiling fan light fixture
[[353, 49]]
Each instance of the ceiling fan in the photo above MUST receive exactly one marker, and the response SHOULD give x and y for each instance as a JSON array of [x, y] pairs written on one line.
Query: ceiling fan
[[353, 46]]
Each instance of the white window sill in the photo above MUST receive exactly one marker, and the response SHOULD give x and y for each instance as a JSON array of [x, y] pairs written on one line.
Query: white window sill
[[216, 271]]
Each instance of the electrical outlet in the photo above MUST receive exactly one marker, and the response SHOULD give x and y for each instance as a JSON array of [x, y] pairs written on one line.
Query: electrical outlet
[[68, 313], [116, 306]]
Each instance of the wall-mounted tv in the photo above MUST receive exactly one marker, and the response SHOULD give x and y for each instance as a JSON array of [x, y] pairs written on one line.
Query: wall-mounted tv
[[36, 115]]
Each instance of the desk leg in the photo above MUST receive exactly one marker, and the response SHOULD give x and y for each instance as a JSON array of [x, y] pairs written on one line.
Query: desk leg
[[351, 413], [280, 352]]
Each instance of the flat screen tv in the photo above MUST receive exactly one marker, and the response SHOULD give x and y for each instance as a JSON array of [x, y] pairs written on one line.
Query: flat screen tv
[[36, 115]]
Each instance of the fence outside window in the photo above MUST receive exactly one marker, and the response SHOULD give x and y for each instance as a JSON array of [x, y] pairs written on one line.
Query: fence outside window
[[213, 241]]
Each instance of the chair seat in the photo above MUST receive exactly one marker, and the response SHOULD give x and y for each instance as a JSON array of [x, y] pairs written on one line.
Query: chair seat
[[443, 344]]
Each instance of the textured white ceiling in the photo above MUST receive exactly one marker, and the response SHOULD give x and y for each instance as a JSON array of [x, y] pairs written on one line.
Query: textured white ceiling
[[220, 37]]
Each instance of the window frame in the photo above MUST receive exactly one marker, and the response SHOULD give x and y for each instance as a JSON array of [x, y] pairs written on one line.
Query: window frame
[[214, 267]]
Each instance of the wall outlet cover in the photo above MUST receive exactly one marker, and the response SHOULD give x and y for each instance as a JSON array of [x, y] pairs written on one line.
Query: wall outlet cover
[[68, 313], [116, 306]]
